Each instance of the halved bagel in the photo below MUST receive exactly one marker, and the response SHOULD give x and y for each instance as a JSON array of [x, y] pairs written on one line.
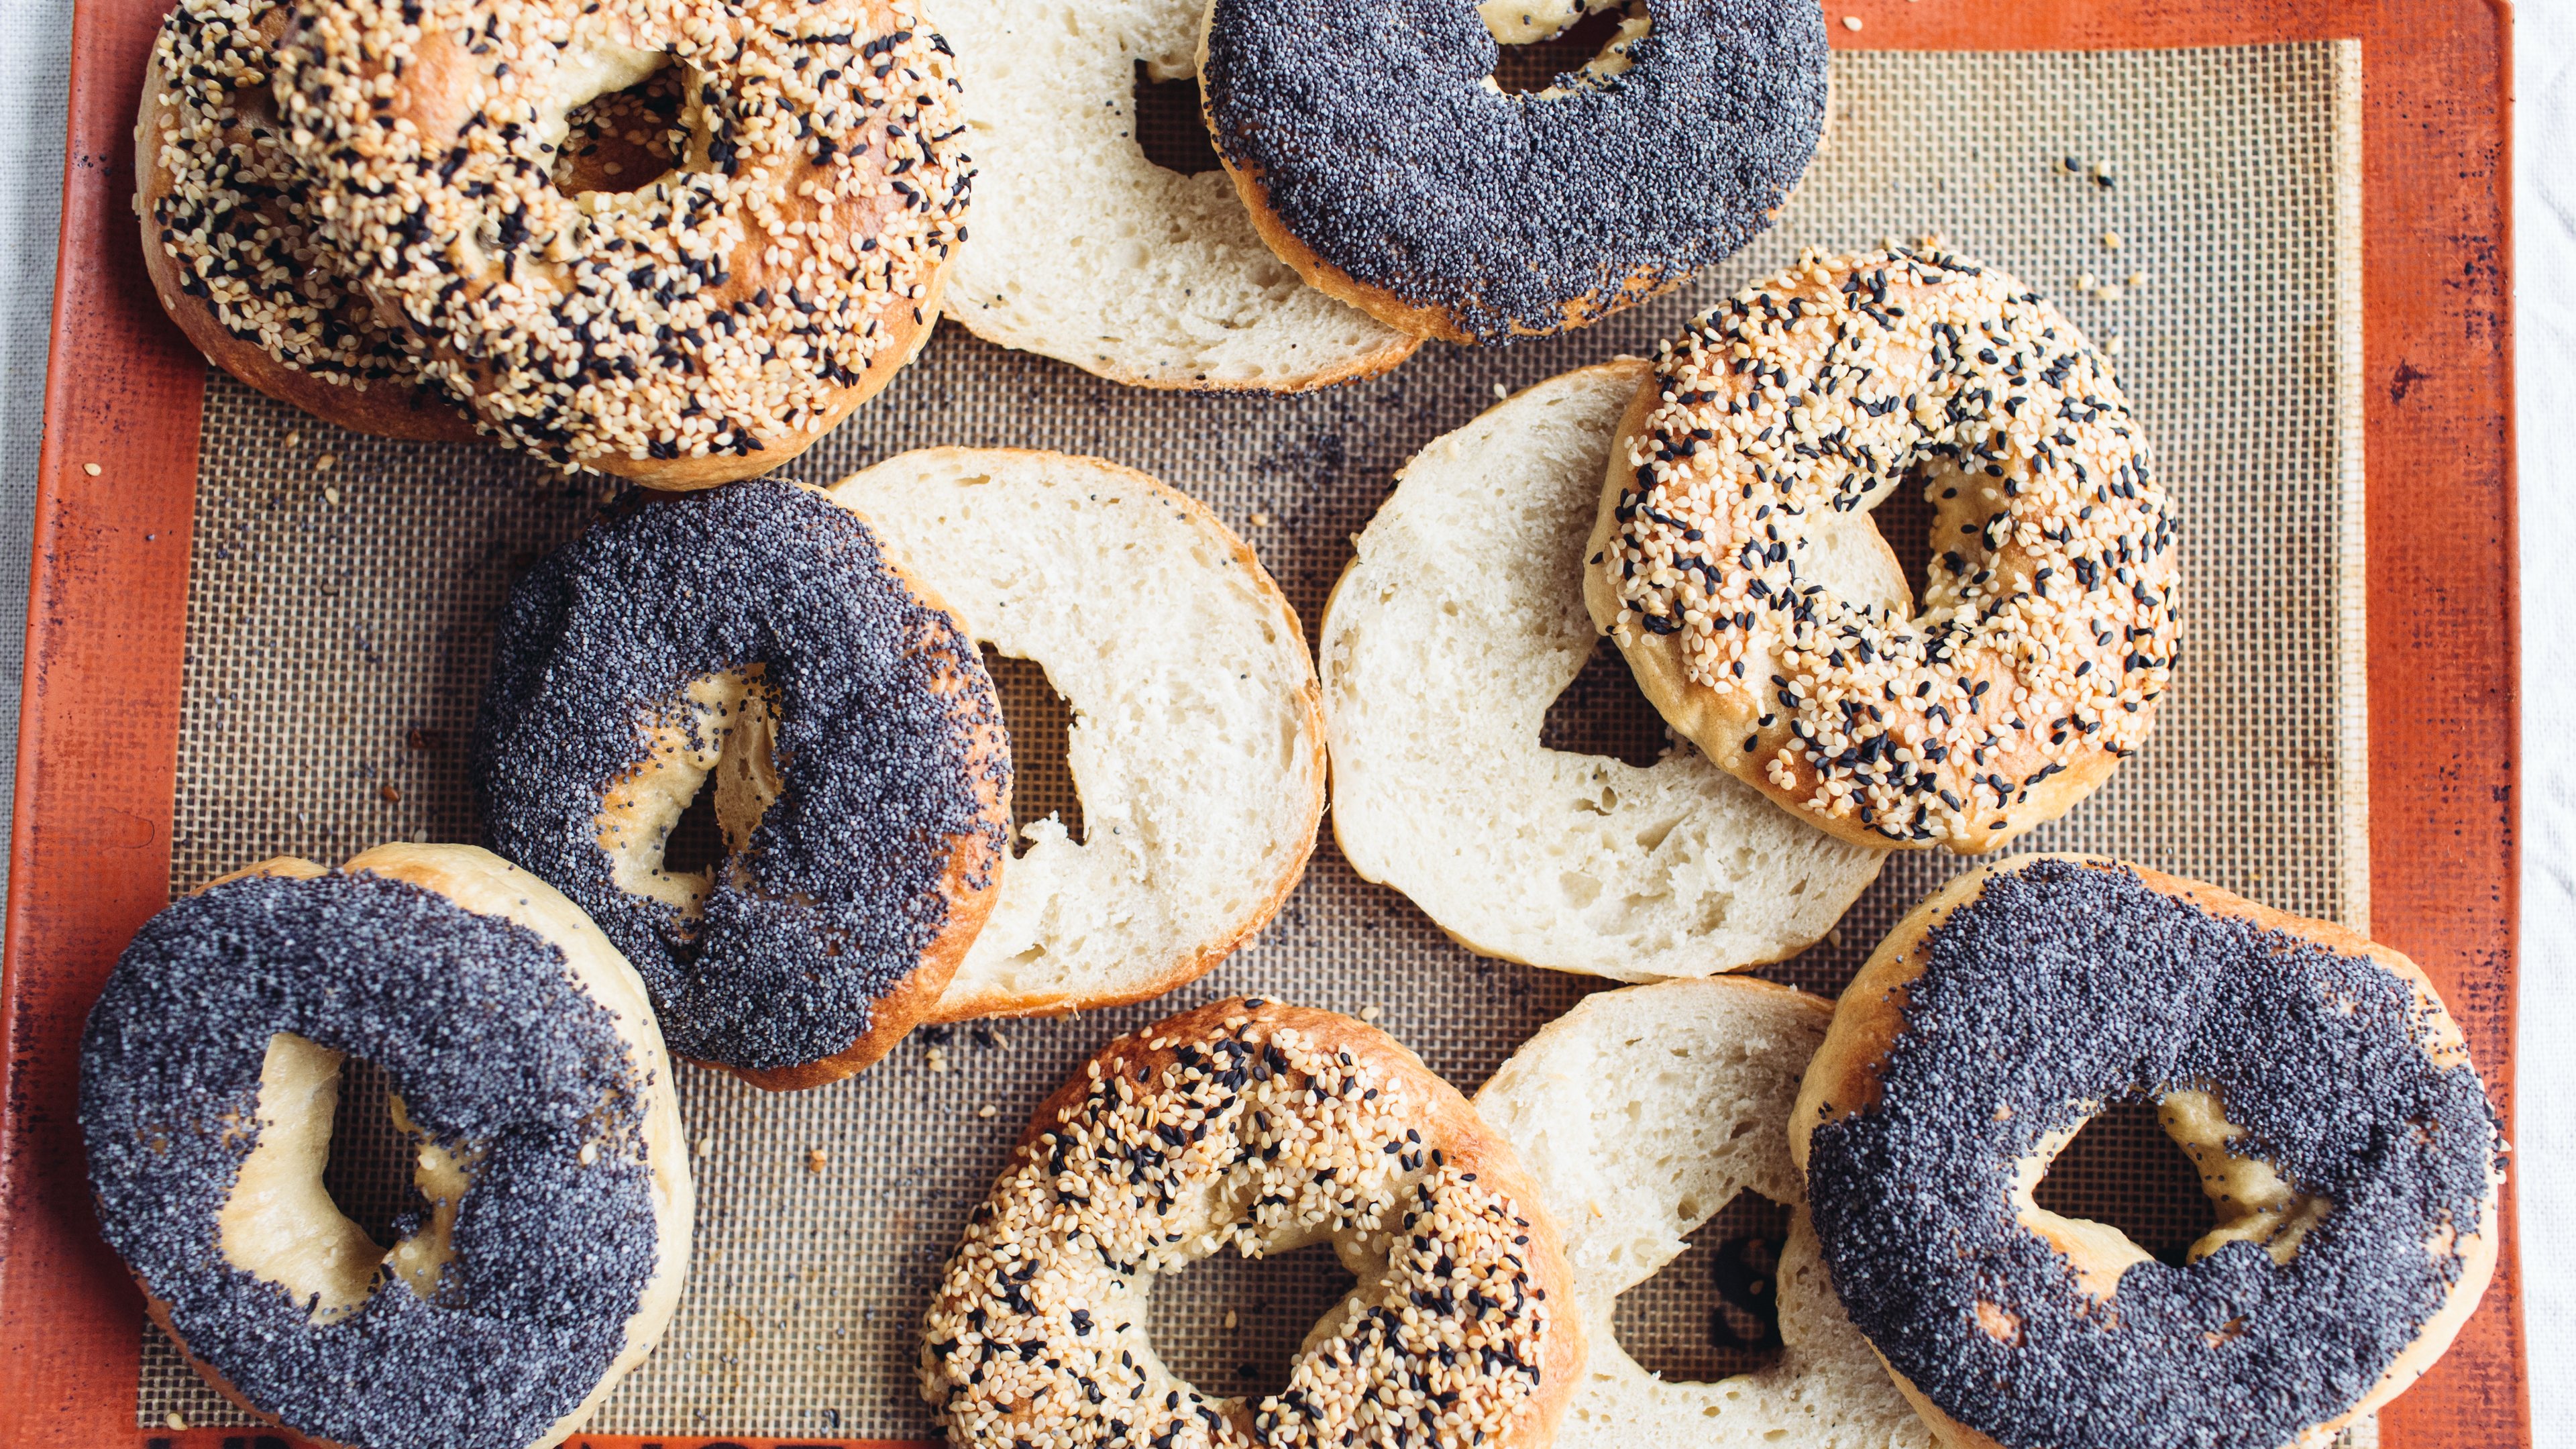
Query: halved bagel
[[1641, 1113], [1197, 744], [1458, 624], [1083, 250]]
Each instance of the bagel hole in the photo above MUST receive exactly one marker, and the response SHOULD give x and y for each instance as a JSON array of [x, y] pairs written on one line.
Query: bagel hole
[[1905, 518], [1040, 724], [2123, 1171], [369, 1171], [1714, 1311], [624, 140], [1169, 127], [1538, 65], [697, 841], [1274, 1300], [1604, 713]]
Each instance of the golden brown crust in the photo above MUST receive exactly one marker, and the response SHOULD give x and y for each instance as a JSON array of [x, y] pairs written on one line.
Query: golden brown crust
[[387, 410], [1842, 1079], [1421, 321]]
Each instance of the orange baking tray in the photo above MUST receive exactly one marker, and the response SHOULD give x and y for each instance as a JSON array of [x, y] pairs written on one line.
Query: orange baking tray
[[107, 611]]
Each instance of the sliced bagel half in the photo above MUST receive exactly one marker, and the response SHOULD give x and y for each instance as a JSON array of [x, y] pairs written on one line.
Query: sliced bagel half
[[1083, 250], [1445, 642], [1197, 743], [1642, 1113]]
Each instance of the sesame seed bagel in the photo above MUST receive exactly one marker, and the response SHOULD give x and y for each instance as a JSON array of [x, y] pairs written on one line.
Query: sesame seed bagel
[[710, 324], [1379, 159], [754, 640], [1641, 1114], [550, 1232], [2341, 1133], [2048, 628], [1455, 628], [1088, 252], [230, 236], [1197, 744], [1261, 1127]]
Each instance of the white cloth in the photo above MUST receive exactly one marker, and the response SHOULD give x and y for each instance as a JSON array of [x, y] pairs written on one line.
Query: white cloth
[[2544, 1158], [37, 35]]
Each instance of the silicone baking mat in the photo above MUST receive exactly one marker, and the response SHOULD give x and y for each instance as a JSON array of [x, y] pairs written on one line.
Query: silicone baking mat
[[2195, 211]]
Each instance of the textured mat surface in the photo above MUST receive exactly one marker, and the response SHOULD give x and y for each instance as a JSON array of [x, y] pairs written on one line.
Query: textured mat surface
[[343, 591]]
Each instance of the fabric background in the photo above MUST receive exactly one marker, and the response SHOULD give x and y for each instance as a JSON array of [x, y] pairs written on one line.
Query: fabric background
[[35, 33]]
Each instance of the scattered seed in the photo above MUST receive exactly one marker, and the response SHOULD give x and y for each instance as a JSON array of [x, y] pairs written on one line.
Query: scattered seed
[[331, 496], [326, 462], [174, 1420], [987, 1110], [1369, 1013], [814, 1160], [389, 794], [92, 469], [2111, 239], [1261, 520]]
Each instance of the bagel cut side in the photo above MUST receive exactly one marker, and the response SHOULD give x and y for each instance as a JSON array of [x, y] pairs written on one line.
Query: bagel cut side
[[1197, 745], [1084, 251], [1459, 622], [1641, 1113]]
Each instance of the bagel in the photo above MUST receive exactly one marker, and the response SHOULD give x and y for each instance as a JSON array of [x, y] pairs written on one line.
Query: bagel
[[1640, 1114], [2048, 629], [2340, 1131], [1197, 744], [1087, 252], [710, 324], [552, 1228], [1378, 157], [1451, 632], [1261, 1127], [755, 636], [230, 238]]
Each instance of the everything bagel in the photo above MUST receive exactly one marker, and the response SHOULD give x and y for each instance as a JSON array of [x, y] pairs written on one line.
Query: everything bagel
[[1378, 158], [1264, 1128], [552, 1228], [2048, 627], [230, 235], [2340, 1131], [708, 325]]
